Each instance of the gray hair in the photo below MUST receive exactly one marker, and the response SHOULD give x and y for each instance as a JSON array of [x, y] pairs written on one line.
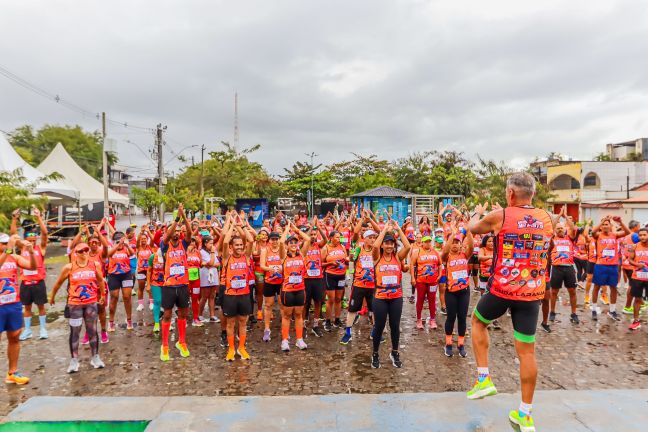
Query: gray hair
[[633, 224], [523, 183]]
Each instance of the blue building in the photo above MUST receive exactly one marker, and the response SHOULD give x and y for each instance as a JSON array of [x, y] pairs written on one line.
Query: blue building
[[396, 201]]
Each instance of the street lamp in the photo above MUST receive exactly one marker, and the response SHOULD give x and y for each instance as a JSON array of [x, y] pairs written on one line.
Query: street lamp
[[183, 149]]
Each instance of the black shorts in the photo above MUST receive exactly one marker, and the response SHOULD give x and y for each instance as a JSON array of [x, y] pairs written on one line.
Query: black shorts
[[562, 275], [271, 289], [333, 282], [474, 259], [220, 296], [359, 294], [34, 293], [590, 268], [177, 295], [314, 290], [628, 273], [237, 305], [524, 314], [118, 281], [293, 298], [638, 288]]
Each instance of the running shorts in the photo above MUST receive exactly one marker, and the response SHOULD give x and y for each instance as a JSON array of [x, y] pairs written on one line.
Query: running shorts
[[314, 290], [221, 295], [443, 279], [524, 314], [33, 293], [271, 289], [141, 276], [237, 305], [562, 275], [118, 281], [177, 295], [293, 298], [638, 288], [628, 274], [11, 317], [606, 275], [359, 294], [590, 267], [335, 282]]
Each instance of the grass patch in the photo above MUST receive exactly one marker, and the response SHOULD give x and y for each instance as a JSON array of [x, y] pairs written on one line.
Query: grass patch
[[59, 259]]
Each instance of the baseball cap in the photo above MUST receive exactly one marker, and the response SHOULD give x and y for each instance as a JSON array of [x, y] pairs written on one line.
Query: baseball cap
[[457, 237], [274, 235], [4, 238], [291, 238], [369, 233], [30, 234], [426, 239], [389, 237], [438, 230]]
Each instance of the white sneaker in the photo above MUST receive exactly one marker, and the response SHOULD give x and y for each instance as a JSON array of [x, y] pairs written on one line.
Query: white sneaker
[[203, 319], [284, 345], [214, 319], [150, 306], [96, 362], [140, 308], [74, 366], [301, 344], [43, 333]]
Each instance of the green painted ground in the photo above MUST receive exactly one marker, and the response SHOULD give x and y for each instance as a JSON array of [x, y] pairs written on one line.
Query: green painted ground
[[75, 426]]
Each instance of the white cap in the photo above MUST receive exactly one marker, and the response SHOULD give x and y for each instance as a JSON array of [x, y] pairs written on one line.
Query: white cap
[[4, 238], [369, 233]]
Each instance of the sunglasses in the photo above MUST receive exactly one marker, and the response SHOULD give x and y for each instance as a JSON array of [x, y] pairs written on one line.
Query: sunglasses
[[84, 250]]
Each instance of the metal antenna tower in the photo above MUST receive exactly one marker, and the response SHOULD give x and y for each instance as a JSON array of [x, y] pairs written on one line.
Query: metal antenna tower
[[236, 123]]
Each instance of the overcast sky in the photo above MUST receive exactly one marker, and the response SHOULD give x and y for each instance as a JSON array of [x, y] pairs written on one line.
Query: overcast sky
[[504, 79]]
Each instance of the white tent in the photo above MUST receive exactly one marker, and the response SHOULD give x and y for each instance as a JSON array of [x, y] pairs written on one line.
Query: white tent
[[11, 160], [60, 161]]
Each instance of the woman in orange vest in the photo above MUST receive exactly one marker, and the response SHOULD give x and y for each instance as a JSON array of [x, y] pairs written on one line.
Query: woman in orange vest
[[425, 269], [193, 263], [335, 264], [260, 244], [273, 278], [144, 252], [120, 278]]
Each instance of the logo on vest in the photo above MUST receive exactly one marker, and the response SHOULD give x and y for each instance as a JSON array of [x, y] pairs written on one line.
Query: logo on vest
[[530, 222]]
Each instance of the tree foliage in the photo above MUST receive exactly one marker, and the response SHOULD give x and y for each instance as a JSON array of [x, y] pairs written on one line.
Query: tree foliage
[[15, 193], [148, 199]]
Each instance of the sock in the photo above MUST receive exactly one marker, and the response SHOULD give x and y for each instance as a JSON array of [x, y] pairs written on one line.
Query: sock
[[524, 410], [482, 373], [230, 342], [612, 308], [140, 302], [182, 331], [348, 331], [460, 341], [166, 328], [448, 339], [300, 332], [41, 320], [285, 331], [27, 322], [242, 338]]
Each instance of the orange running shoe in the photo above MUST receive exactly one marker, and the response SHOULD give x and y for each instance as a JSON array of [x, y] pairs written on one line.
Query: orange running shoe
[[243, 353], [16, 378], [259, 315]]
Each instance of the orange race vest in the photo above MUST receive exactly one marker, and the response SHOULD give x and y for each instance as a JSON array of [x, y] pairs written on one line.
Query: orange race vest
[[175, 266], [143, 256], [294, 271], [521, 254], [30, 277], [607, 247], [580, 248], [485, 267], [427, 266], [641, 256], [119, 262], [562, 253], [626, 244], [458, 272], [364, 274], [236, 276], [591, 251], [157, 272], [83, 288], [273, 259], [314, 262], [339, 256], [9, 292], [389, 275]]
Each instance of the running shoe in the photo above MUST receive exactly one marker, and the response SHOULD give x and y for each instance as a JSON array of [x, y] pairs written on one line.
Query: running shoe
[[129, 324], [85, 340], [156, 328], [16, 378], [552, 316], [364, 311], [231, 353], [587, 300], [605, 299], [26, 334], [462, 351], [356, 318], [394, 356], [496, 325], [259, 315], [197, 323], [74, 366], [346, 338], [338, 323], [411, 299], [223, 341], [482, 389], [628, 310], [140, 307], [447, 350], [594, 315], [525, 424], [184, 351], [214, 319], [614, 315], [241, 351], [432, 324], [574, 319], [111, 326], [419, 324], [96, 362], [104, 337], [253, 319], [545, 327], [443, 311], [636, 325], [266, 335], [375, 361], [285, 346], [301, 344], [327, 325], [42, 334], [164, 353], [317, 331], [150, 306]]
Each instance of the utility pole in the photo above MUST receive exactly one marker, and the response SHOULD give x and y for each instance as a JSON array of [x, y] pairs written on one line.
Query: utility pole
[[312, 194], [159, 141], [202, 175], [104, 165]]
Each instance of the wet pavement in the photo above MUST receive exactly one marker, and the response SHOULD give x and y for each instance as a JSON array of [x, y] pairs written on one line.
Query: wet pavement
[[592, 355]]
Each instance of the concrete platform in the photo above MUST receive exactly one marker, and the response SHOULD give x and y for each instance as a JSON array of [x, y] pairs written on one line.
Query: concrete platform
[[600, 410]]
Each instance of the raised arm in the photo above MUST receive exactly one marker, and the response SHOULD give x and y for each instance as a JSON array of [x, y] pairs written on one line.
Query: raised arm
[[42, 226], [492, 222], [402, 254], [15, 216]]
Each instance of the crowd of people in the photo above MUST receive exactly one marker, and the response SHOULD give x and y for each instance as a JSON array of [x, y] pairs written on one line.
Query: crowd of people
[[304, 272]]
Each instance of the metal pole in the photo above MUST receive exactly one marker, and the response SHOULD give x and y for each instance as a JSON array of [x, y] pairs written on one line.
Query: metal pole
[[312, 194], [158, 139], [104, 165], [202, 175]]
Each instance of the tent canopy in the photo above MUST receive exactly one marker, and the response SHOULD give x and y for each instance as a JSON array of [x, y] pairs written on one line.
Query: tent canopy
[[91, 191], [11, 161]]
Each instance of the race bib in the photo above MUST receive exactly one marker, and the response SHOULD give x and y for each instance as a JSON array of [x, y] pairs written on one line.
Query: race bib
[[366, 262], [294, 280], [389, 280], [608, 253], [196, 290], [127, 283], [342, 283], [642, 275], [75, 322], [141, 276], [8, 298], [433, 288], [177, 271], [313, 272], [238, 284], [461, 274], [562, 248], [30, 272]]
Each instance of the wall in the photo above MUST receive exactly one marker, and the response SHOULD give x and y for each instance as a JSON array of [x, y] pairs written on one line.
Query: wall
[[612, 176]]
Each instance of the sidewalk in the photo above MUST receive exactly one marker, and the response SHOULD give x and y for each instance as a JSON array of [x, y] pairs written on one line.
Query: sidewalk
[[558, 410]]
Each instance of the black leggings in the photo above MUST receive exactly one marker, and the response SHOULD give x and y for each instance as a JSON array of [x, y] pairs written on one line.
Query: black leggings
[[78, 315], [457, 308], [581, 269], [382, 308]]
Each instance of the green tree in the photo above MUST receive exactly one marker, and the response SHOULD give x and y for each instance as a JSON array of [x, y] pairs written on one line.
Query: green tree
[[15, 193], [297, 180], [602, 157], [148, 199], [84, 147], [359, 174]]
